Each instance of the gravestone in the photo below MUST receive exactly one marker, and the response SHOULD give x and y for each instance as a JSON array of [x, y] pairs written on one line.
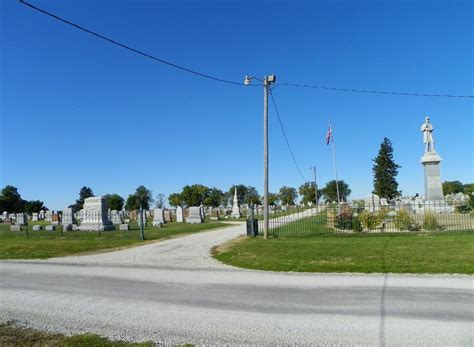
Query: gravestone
[[115, 217], [235, 206], [67, 217], [34, 217], [214, 215], [50, 227], [158, 217], [15, 227], [55, 219], [41, 215], [48, 216], [194, 216], [95, 215], [21, 219], [372, 202], [36, 227], [167, 216], [179, 214], [124, 227], [186, 212], [5, 214]]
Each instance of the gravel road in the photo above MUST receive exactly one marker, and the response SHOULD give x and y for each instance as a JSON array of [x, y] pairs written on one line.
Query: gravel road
[[173, 292]]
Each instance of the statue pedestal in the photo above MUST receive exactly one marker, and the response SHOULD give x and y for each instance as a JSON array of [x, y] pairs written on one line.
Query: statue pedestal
[[433, 188]]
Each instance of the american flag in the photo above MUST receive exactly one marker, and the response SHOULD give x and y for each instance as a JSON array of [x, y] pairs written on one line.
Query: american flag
[[329, 134]]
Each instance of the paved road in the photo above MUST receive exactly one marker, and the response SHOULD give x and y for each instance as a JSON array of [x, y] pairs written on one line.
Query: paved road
[[173, 292]]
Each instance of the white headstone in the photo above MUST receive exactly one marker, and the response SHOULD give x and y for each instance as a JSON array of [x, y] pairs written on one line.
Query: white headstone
[[21, 219], [68, 217], [235, 206], [179, 214], [115, 217], [372, 202], [95, 215]]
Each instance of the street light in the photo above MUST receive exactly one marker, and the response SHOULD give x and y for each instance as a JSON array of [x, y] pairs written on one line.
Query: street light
[[267, 81]]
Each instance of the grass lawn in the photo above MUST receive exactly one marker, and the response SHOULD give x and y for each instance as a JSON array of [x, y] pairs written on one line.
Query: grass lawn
[[14, 335], [47, 244], [402, 253]]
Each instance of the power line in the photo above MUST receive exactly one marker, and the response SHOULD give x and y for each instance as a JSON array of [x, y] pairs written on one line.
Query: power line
[[149, 56], [286, 138], [373, 91], [128, 47]]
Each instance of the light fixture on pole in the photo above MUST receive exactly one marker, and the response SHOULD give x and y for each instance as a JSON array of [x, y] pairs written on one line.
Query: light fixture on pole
[[267, 81]]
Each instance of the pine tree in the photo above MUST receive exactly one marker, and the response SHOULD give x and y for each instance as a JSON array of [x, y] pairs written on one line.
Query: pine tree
[[385, 170]]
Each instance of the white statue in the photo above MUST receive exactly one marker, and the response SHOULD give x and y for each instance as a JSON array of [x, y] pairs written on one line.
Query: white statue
[[427, 130]]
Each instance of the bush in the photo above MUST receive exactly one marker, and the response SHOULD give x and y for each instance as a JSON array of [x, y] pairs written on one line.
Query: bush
[[430, 222], [463, 209], [371, 220], [356, 225], [344, 220], [403, 221]]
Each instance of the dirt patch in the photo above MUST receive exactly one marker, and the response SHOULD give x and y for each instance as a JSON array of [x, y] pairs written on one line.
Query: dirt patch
[[216, 250]]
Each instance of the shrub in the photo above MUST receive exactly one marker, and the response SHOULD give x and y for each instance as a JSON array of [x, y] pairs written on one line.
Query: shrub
[[344, 220], [403, 221], [371, 220], [356, 225], [430, 222]]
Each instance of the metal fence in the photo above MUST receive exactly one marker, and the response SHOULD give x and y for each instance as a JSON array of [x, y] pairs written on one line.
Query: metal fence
[[346, 219]]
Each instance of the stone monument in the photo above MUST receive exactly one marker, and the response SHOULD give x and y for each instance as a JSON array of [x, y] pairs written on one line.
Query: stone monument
[[158, 217], [194, 216], [430, 161], [68, 216], [235, 206], [179, 214], [95, 215]]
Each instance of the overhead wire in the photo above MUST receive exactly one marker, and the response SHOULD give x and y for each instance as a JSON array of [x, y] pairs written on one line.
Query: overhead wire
[[373, 91], [222, 80], [77, 26], [285, 136]]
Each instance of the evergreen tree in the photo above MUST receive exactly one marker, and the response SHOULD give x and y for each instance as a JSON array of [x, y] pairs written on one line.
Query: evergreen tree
[[385, 170]]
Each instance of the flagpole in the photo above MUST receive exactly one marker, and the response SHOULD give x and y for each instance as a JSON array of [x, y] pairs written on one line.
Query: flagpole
[[335, 168]]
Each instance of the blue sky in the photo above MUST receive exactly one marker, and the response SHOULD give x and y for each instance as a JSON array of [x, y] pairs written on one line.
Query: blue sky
[[78, 111]]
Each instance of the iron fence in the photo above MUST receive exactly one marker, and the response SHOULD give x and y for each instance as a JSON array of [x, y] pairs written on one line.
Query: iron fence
[[347, 219]]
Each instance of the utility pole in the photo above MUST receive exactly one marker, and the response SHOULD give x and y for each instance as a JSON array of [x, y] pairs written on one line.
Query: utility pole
[[315, 187], [267, 81]]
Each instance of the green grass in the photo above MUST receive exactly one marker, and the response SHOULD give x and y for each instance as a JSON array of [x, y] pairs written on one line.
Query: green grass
[[366, 253], [46, 244], [14, 335]]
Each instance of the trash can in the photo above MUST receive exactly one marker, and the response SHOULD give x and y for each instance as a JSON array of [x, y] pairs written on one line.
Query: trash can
[[252, 227]]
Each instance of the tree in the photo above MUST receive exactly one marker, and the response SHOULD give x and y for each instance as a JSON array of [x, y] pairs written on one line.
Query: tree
[[132, 203], [11, 201], [175, 199], [160, 200], [252, 197], [84, 193], [385, 170], [214, 198], [34, 206], [272, 199], [330, 191], [142, 196], [114, 201], [308, 193], [245, 194], [288, 195], [452, 187], [194, 195]]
